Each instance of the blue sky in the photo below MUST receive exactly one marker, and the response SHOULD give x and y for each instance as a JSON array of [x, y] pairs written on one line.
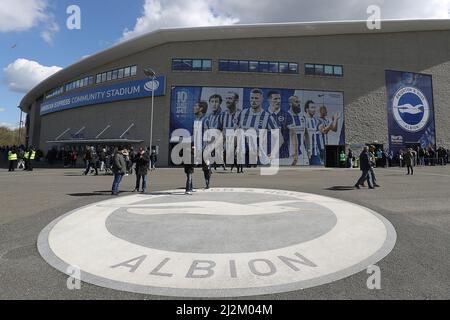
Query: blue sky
[[35, 42], [101, 27]]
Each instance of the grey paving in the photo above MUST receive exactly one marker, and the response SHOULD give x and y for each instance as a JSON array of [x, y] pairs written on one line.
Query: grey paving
[[418, 207]]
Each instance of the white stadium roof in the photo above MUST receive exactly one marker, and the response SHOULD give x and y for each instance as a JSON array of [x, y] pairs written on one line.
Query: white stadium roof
[[162, 36]]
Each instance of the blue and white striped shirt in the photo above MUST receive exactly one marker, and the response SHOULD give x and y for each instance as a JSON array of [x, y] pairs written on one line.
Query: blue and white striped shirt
[[258, 120], [312, 126]]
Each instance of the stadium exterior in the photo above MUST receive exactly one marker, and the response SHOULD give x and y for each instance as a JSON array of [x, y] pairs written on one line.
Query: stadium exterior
[[344, 58]]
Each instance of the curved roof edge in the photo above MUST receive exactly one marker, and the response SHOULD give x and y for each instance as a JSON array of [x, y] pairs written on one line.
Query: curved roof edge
[[168, 35]]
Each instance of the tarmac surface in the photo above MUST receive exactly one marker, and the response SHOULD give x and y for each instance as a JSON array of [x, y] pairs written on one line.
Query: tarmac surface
[[417, 206]]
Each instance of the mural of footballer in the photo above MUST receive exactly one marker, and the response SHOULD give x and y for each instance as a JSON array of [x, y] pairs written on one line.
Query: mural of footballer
[[298, 133], [314, 147], [283, 120]]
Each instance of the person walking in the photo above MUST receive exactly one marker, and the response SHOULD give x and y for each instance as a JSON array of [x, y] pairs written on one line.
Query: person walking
[[365, 165], [142, 160], [12, 158], [342, 159], [119, 168], [189, 171], [153, 159], [31, 156], [207, 172], [409, 161], [350, 159]]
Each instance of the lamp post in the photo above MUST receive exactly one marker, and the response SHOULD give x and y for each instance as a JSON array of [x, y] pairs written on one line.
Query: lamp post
[[151, 74]]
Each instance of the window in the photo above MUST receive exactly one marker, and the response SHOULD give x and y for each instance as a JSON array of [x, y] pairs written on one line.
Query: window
[[263, 67], [243, 66], [223, 65], [191, 65], [329, 70], [284, 67], [120, 73], [103, 77], [319, 69], [273, 67], [253, 66], [310, 69], [207, 65], [115, 74], [133, 71], [99, 78], [91, 80], [338, 71], [257, 66], [109, 76], [233, 65], [323, 70]]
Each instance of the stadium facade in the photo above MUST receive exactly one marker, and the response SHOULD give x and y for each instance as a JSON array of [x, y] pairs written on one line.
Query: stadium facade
[[389, 87]]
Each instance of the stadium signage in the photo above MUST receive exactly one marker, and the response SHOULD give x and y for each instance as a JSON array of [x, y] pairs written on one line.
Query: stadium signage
[[106, 94]]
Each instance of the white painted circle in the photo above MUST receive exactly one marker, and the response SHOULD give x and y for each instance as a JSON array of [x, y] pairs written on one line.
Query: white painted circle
[[355, 238]]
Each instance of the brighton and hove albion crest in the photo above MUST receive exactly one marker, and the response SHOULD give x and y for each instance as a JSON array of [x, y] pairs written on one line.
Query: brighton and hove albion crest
[[224, 242], [411, 109], [152, 85]]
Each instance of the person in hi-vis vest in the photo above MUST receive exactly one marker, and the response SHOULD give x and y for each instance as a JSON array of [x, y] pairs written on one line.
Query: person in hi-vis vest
[[12, 158]]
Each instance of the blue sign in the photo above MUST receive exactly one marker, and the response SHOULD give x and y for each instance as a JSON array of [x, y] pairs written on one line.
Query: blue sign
[[410, 110], [118, 92]]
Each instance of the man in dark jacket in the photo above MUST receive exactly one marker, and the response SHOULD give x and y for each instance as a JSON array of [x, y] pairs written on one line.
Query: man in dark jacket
[[366, 166], [189, 171], [142, 161], [119, 168]]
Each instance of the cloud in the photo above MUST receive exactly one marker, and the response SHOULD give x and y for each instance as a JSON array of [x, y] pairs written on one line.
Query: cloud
[[10, 126], [180, 13], [21, 15], [22, 75], [2, 109], [50, 32]]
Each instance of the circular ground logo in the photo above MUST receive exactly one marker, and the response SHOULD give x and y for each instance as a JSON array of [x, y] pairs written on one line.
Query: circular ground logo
[[225, 242], [411, 109], [152, 85]]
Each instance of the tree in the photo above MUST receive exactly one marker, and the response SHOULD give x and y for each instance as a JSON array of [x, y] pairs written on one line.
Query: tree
[[10, 137]]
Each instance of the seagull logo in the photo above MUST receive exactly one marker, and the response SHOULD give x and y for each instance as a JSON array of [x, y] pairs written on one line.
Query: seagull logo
[[410, 109]]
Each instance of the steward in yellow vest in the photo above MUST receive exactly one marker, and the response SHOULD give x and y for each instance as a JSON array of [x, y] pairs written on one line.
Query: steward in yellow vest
[[12, 158]]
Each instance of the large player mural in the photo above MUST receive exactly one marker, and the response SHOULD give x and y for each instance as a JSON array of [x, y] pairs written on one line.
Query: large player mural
[[308, 120], [410, 110]]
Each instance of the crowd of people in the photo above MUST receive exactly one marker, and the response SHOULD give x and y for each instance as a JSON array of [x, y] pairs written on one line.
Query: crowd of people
[[120, 161]]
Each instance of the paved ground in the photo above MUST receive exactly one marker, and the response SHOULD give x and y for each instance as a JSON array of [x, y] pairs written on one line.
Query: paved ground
[[418, 207]]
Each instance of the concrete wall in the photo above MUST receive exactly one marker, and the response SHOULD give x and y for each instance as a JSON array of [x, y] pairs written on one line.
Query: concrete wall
[[364, 57]]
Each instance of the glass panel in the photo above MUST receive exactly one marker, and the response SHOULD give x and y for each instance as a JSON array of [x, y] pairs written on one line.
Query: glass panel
[[293, 67], [133, 71], [223, 65], [338, 71], [109, 76], [207, 65], [319, 69], [103, 77], [243, 66], [253, 66], [263, 67], [115, 73], [329, 70], [91, 80], [120, 76], [196, 64], [273, 67], [310, 69], [284, 67], [187, 65], [177, 64], [233, 65], [99, 78], [127, 72]]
